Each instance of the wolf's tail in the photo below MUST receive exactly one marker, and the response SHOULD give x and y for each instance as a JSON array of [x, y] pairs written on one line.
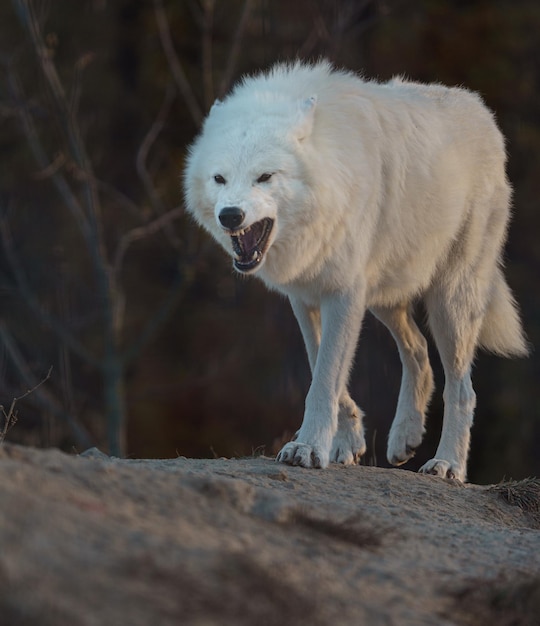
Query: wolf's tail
[[502, 331]]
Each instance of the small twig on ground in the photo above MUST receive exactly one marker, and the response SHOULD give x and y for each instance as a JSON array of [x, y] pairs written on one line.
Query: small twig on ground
[[10, 417]]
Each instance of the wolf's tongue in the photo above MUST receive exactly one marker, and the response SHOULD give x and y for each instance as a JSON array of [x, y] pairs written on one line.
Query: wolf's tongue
[[250, 238]]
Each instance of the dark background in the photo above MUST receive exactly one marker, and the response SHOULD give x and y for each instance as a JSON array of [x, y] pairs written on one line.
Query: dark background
[[158, 349]]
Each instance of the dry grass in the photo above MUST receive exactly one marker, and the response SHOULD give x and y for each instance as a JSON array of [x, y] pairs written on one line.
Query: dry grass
[[525, 494]]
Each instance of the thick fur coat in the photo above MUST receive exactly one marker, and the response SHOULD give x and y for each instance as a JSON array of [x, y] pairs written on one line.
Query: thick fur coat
[[347, 195]]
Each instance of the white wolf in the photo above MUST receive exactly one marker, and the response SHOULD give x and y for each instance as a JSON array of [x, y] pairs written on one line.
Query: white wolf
[[348, 195]]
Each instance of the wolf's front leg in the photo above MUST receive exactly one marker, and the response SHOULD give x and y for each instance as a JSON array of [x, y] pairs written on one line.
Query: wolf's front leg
[[341, 318], [349, 443]]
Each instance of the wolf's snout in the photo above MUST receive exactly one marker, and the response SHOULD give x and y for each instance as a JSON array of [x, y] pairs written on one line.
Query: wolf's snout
[[231, 217]]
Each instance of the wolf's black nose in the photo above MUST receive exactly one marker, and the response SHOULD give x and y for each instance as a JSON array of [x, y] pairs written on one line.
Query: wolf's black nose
[[231, 217]]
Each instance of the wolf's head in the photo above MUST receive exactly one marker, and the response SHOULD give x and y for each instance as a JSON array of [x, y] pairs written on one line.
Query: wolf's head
[[244, 175]]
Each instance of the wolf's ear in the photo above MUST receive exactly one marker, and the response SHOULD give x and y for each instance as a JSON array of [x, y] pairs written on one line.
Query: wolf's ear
[[217, 103], [305, 118]]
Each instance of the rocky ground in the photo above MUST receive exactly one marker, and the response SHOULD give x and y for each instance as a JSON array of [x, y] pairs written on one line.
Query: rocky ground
[[89, 540]]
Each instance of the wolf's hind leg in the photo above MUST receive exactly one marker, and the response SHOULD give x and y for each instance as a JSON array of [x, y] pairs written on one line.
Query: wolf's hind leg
[[349, 443], [416, 383], [455, 316]]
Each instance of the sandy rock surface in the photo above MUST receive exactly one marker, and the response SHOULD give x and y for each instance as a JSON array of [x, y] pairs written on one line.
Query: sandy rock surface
[[89, 540]]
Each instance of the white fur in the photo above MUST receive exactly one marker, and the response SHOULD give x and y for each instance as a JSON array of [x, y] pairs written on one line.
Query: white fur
[[381, 194]]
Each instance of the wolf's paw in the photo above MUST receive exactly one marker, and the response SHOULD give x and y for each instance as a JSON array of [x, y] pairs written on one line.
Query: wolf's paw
[[444, 469], [295, 453], [405, 436], [348, 444]]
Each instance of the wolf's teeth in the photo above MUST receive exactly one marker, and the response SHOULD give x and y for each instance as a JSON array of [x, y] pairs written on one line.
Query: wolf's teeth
[[255, 255]]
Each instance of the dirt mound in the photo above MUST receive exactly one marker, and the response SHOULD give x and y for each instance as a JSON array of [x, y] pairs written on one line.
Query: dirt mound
[[90, 540]]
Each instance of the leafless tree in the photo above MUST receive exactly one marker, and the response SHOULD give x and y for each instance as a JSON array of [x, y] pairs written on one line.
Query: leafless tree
[[85, 204]]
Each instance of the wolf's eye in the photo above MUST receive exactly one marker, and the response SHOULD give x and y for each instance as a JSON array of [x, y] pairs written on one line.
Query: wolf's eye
[[264, 178], [219, 179]]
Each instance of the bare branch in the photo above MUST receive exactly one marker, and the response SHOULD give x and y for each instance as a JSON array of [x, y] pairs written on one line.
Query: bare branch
[[56, 164], [174, 63], [42, 158], [25, 10], [82, 63], [27, 16], [141, 232], [119, 197], [207, 73], [235, 48], [148, 142], [32, 301], [70, 128], [196, 12], [350, 16], [156, 321], [319, 32]]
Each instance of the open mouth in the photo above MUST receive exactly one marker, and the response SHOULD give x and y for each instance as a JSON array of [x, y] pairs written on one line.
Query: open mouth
[[250, 244]]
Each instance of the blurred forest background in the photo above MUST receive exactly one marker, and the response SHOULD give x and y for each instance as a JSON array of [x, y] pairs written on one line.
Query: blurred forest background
[[157, 349]]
